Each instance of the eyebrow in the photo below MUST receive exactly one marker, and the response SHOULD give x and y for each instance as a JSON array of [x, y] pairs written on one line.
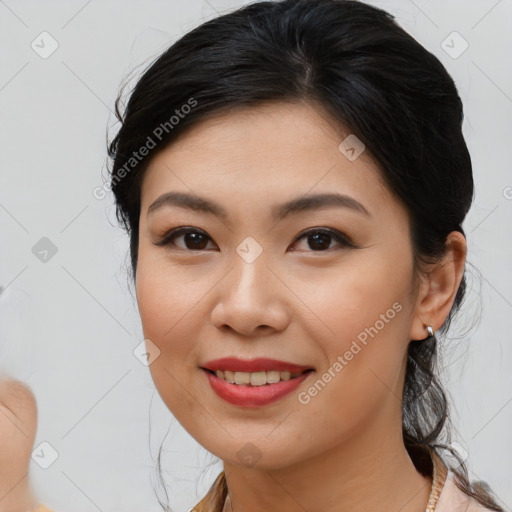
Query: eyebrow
[[304, 203]]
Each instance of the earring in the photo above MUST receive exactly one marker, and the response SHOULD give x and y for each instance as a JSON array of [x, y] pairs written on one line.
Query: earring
[[430, 331]]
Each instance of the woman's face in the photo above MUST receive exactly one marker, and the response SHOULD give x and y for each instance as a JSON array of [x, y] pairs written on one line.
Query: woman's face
[[260, 281]]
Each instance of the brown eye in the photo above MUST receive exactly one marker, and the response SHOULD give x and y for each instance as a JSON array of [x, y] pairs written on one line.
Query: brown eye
[[319, 240], [193, 239]]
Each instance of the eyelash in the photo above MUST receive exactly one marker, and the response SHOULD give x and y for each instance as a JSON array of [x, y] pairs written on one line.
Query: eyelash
[[167, 238]]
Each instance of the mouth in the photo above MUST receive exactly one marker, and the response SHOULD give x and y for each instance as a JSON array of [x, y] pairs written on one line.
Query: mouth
[[256, 379], [254, 382], [255, 389]]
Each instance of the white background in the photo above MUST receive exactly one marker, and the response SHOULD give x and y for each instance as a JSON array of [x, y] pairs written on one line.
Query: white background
[[68, 326]]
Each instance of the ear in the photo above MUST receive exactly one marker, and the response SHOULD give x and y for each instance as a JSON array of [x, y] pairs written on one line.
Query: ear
[[438, 288]]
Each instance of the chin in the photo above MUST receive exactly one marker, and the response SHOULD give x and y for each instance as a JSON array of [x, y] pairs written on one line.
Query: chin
[[256, 453]]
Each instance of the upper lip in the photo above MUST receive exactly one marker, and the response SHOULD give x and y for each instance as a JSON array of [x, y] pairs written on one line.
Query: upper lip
[[261, 364]]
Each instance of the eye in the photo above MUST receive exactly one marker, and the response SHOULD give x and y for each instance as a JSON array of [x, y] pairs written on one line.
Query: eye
[[194, 239], [319, 239]]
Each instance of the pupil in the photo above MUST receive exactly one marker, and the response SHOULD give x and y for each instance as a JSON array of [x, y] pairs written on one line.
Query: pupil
[[321, 241], [197, 243]]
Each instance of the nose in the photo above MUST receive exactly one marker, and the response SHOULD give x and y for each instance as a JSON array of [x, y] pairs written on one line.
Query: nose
[[251, 300]]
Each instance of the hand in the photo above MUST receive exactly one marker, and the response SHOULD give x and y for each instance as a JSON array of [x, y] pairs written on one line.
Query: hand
[[18, 426]]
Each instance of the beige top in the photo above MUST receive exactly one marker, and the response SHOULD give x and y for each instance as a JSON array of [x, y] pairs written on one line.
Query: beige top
[[445, 495], [452, 499]]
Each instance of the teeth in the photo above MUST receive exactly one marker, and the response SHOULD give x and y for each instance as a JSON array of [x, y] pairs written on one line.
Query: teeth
[[258, 378], [273, 377], [285, 375], [242, 378], [255, 378]]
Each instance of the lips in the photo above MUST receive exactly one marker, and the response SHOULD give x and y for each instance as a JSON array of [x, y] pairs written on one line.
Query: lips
[[256, 382]]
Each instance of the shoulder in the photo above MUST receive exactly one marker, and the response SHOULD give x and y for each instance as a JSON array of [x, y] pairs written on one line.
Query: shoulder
[[453, 499]]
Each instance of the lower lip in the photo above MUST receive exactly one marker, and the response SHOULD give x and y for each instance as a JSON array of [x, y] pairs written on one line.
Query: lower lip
[[254, 396]]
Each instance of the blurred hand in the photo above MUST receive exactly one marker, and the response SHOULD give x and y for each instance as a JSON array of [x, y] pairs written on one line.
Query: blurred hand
[[18, 425]]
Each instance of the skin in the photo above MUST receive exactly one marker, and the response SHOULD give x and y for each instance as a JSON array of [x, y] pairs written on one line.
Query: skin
[[343, 450], [18, 425]]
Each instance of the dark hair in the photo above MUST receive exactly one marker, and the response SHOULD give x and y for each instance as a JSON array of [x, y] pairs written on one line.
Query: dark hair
[[376, 80]]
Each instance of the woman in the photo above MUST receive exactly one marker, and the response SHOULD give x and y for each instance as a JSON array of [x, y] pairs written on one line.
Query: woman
[[293, 178]]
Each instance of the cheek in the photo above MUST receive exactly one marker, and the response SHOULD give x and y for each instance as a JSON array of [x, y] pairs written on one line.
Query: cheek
[[168, 302], [360, 296], [365, 313], [168, 298]]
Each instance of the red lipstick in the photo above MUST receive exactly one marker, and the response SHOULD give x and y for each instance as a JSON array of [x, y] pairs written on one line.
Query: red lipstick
[[254, 396]]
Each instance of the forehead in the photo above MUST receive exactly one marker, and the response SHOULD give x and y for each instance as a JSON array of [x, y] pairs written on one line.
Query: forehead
[[277, 129], [267, 152]]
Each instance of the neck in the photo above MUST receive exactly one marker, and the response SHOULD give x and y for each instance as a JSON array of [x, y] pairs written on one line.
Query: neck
[[371, 472]]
